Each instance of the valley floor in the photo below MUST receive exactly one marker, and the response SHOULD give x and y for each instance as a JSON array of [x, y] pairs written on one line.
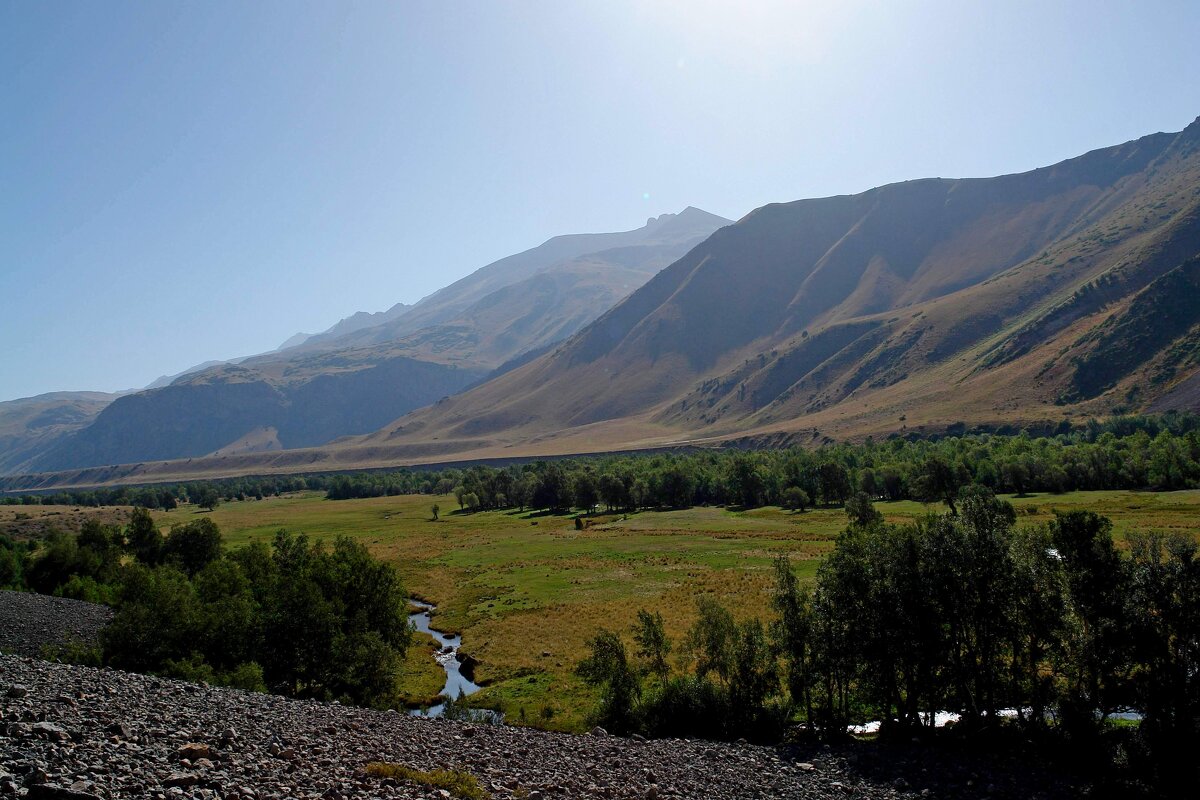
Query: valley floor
[[527, 590]]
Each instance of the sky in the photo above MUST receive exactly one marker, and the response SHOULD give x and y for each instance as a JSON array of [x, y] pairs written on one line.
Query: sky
[[185, 181]]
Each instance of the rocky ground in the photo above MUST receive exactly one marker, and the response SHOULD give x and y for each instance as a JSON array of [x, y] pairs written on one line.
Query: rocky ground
[[76, 732], [31, 622]]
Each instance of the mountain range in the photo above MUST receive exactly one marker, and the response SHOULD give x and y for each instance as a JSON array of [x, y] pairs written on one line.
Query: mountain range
[[1033, 299], [367, 369], [1066, 291]]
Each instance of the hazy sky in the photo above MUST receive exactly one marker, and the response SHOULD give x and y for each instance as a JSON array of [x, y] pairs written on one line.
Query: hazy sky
[[186, 181]]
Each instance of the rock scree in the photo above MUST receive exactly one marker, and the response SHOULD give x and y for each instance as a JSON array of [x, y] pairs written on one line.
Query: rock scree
[[77, 732], [30, 622]]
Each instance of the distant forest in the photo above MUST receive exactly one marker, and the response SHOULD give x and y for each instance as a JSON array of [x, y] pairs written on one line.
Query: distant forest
[[1159, 453]]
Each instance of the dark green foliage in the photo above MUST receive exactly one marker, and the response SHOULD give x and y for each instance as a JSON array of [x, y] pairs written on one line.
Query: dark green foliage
[[296, 617], [1165, 634], [13, 560], [94, 554], [729, 690], [939, 481], [795, 499], [862, 511], [143, 538], [958, 612], [835, 482], [207, 497], [608, 667], [654, 646], [792, 632], [193, 546]]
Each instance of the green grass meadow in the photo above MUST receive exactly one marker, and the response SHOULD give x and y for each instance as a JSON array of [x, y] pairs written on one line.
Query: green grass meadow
[[526, 590]]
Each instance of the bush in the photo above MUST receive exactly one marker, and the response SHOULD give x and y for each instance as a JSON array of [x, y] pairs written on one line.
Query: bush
[[193, 546]]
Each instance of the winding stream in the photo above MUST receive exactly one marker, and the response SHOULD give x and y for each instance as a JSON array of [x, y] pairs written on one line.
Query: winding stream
[[447, 656]]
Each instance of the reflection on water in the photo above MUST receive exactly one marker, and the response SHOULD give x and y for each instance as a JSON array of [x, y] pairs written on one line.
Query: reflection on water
[[457, 684]]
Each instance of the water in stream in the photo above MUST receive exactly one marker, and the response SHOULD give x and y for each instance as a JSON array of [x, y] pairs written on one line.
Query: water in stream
[[457, 684]]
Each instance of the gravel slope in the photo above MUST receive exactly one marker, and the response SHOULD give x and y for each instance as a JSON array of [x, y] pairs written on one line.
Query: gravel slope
[[28, 622], [103, 733]]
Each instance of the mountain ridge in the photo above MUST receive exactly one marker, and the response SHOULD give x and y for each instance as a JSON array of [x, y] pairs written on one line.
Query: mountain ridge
[[370, 368], [691, 335]]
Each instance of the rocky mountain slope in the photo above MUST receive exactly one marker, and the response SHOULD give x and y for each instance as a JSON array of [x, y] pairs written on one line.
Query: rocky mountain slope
[[369, 369], [1068, 290], [32, 425], [642, 250], [355, 322]]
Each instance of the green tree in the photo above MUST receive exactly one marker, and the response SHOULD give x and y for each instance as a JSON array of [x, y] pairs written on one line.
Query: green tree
[[585, 491], [607, 666], [835, 482], [193, 546], [206, 497], [1095, 646], [143, 538], [653, 643], [792, 634], [711, 640], [862, 511], [939, 481], [795, 499]]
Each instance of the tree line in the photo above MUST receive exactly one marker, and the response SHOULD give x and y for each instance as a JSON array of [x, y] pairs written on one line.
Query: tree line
[[293, 617], [1042, 632], [1136, 453]]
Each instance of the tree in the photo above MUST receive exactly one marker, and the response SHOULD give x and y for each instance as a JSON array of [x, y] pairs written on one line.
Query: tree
[[614, 491], [754, 677], [653, 644], [745, 481], [939, 481], [677, 485], [143, 537], [893, 484], [867, 482], [712, 638], [206, 497], [552, 491], [1095, 643], [1165, 612], [792, 634], [835, 482], [585, 492], [607, 666], [795, 499], [862, 511], [193, 546]]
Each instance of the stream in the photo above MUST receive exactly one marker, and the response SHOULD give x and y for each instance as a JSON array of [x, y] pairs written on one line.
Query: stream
[[457, 684]]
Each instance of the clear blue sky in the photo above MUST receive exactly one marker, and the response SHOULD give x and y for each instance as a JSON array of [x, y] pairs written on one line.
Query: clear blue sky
[[186, 181]]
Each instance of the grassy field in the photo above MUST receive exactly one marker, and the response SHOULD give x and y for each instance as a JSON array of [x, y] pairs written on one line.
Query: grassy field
[[527, 590]]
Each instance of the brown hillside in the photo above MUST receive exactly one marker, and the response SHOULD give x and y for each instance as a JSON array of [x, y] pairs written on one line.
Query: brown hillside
[[976, 298]]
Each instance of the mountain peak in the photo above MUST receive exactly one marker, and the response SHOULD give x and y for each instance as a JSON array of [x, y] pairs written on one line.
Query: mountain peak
[[687, 221]]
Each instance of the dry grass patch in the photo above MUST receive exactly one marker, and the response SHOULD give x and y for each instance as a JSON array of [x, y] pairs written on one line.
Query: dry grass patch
[[457, 782]]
